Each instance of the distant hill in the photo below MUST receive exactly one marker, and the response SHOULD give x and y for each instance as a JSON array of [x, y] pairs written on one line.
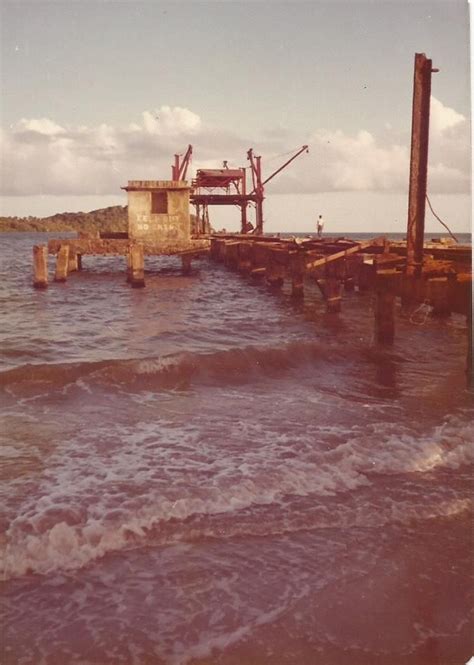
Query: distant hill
[[109, 219]]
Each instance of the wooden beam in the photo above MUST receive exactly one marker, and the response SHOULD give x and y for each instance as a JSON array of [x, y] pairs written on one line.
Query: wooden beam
[[342, 255]]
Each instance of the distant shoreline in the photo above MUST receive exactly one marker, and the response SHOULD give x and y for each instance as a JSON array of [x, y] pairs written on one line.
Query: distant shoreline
[[113, 218]]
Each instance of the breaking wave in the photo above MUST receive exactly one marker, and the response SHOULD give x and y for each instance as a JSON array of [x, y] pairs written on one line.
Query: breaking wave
[[169, 371], [51, 536]]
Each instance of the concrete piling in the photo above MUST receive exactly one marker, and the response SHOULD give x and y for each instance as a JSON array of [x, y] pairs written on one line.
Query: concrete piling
[[137, 268], [73, 263], [62, 263], [40, 267]]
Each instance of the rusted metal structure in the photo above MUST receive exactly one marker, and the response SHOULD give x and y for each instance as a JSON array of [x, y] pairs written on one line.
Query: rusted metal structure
[[228, 187]]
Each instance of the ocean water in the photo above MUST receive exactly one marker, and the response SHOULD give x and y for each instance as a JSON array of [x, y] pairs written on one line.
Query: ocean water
[[206, 472]]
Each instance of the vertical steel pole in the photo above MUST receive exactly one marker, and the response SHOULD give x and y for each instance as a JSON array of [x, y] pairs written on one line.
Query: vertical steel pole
[[259, 201], [418, 163], [243, 207]]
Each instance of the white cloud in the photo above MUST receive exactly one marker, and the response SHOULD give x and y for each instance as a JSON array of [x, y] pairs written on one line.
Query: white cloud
[[41, 157], [169, 121], [40, 126], [443, 118]]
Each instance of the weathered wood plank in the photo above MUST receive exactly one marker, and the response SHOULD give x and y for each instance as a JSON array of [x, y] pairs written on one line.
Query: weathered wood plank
[[342, 254]]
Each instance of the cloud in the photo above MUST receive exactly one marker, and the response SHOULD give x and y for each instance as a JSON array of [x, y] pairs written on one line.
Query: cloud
[[43, 126], [171, 121], [443, 118], [40, 156]]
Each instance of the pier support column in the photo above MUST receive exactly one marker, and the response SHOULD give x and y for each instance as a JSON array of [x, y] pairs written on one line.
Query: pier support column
[[40, 266], [231, 257], [62, 263], [385, 307], [214, 251], [72, 264], [297, 264], [137, 259], [469, 367], [186, 264], [438, 293], [275, 272], [128, 259], [332, 292], [245, 262], [366, 275]]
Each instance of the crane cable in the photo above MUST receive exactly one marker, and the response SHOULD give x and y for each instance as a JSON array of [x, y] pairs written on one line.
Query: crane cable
[[441, 221]]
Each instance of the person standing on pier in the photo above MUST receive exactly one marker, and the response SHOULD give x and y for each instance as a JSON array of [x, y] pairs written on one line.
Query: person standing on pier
[[320, 226]]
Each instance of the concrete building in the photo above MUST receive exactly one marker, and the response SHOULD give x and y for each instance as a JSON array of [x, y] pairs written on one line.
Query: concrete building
[[158, 212]]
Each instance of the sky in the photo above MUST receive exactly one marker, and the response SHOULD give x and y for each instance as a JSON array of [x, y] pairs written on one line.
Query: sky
[[99, 92]]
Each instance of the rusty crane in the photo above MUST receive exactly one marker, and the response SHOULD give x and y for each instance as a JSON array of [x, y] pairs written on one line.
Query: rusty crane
[[228, 186]]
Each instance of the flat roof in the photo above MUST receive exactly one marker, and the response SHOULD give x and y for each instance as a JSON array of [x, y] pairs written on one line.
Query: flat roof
[[141, 185]]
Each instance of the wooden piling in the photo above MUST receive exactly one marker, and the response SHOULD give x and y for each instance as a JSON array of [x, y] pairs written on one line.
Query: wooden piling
[[231, 257], [469, 367], [418, 163], [332, 294], [438, 294], [62, 262], [79, 261], [186, 264], [137, 277], [384, 309], [244, 260], [275, 269], [297, 263], [40, 267]]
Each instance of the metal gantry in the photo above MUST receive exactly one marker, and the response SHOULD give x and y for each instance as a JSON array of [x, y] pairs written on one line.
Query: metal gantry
[[228, 186]]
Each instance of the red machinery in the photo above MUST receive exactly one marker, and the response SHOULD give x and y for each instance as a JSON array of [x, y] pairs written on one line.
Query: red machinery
[[231, 186]]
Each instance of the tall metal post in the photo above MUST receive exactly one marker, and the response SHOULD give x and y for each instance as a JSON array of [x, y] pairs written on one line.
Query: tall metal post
[[243, 207], [418, 163], [260, 197]]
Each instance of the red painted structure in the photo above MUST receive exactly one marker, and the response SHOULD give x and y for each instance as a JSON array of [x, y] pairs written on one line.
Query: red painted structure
[[228, 187]]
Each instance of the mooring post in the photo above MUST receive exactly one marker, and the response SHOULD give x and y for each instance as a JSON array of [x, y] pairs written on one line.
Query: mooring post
[[40, 266], [186, 264], [137, 260], [79, 261], [418, 163], [385, 307], [62, 262]]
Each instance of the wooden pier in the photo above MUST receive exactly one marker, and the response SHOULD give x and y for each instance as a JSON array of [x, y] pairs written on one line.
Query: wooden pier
[[443, 285], [437, 275]]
